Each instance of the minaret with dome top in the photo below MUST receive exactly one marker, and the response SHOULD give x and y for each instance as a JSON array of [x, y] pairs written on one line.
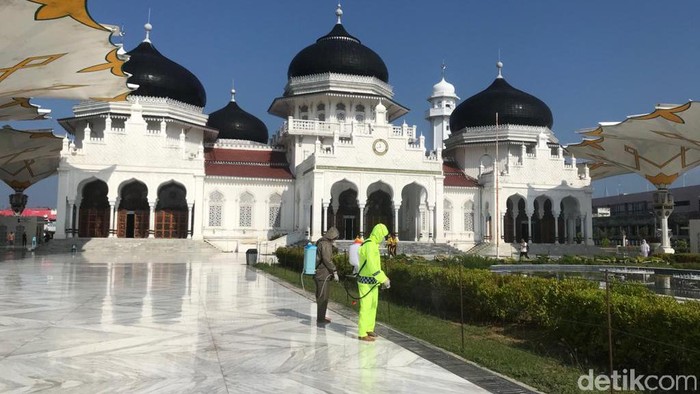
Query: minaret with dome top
[[442, 101]]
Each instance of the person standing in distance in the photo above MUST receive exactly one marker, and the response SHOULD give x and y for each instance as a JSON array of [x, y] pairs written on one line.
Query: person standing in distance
[[369, 277], [325, 272]]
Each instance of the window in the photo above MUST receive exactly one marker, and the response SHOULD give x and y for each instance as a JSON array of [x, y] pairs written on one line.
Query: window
[[447, 216], [274, 211], [322, 117], [469, 216], [340, 112], [321, 107], [246, 211], [216, 201]]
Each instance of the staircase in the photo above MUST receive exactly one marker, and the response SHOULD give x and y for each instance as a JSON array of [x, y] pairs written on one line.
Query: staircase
[[125, 246], [425, 249], [506, 250]]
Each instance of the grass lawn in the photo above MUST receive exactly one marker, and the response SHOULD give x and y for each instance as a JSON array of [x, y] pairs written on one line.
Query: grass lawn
[[511, 351]]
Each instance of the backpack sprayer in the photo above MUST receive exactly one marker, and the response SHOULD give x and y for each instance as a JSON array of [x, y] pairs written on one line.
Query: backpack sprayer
[[309, 268]]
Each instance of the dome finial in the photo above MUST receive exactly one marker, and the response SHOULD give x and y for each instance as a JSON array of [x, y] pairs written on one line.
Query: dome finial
[[443, 67], [148, 27], [233, 91], [339, 13], [499, 65]]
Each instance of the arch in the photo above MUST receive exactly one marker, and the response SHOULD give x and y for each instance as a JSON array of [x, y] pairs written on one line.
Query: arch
[[413, 213], [570, 230], [543, 220], [343, 210], [133, 213], [515, 222], [171, 211], [94, 212]]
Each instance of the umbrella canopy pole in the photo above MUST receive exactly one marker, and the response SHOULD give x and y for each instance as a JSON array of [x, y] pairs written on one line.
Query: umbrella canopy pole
[[663, 206]]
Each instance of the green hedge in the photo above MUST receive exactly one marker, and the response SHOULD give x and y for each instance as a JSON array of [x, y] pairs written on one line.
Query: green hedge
[[652, 334]]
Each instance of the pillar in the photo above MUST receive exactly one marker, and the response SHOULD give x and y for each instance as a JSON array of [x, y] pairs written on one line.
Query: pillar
[[431, 223], [76, 223], [324, 217], [396, 219], [112, 207], [152, 219], [556, 225], [529, 225], [362, 219], [190, 224], [69, 219]]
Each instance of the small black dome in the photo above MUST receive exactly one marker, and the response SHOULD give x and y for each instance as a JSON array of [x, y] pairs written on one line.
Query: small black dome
[[512, 105], [338, 52], [158, 76], [235, 123]]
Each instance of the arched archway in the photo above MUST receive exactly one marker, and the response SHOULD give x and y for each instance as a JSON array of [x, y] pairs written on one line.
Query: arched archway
[[413, 215], [133, 214], [343, 211], [515, 225], [379, 207], [171, 212], [569, 226], [543, 221], [93, 216]]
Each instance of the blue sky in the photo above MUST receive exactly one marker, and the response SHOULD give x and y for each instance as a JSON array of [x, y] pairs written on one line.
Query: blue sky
[[590, 61]]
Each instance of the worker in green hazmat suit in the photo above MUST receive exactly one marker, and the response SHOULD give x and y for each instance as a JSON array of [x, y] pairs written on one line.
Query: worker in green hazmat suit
[[369, 278]]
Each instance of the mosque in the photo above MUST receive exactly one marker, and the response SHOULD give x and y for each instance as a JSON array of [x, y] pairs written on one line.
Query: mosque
[[157, 166]]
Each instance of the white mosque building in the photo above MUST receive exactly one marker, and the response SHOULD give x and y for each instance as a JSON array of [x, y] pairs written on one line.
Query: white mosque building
[[157, 166]]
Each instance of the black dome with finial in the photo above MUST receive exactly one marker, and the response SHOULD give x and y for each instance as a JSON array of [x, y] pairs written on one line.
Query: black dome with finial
[[513, 106], [338, 52], [235, 123], [158, 76]]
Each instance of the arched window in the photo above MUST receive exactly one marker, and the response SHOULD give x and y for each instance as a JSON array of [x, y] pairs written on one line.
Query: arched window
[[340, 112], [246, 210], [216, 205], [321, 112], [447, 216], [360, 113], [304, 112], [469, 216], [275, 210]]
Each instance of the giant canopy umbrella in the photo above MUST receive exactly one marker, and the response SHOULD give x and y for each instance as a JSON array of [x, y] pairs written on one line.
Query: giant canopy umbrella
[[53, 48], [660, 146], [29, 156], [49, 48]]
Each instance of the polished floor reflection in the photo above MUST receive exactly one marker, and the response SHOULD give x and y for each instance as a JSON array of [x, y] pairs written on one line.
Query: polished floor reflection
[[184, 323]]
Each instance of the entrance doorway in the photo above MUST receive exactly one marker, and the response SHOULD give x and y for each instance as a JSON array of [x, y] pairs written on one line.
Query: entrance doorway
[[130, 221], [348, 227]]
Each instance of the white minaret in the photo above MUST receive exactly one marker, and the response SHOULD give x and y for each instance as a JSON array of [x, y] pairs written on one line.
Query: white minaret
[[442, 102]]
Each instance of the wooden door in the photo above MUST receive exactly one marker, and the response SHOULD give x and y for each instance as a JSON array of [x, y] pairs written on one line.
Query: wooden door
[[171, 224]]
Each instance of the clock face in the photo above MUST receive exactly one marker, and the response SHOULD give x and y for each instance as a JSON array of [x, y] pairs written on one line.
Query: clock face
[[380, 146]]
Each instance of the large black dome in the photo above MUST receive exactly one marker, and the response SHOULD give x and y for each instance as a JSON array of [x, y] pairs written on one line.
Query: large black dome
[[513, 106], [235, 123], [158, 76], [338, 52]]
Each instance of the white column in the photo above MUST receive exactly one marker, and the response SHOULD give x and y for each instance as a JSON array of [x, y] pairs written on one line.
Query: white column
[[152, 219], [200, 211], [190, 207], [62, 216], [529, 226], [396, 219], [583, 228], [362, 220], [76, 225], [112, 232], [431, 223], [556, 226], [514, 215], [324, 218]]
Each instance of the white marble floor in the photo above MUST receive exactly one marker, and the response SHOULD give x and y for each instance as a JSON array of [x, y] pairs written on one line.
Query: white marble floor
[[178, 323]]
